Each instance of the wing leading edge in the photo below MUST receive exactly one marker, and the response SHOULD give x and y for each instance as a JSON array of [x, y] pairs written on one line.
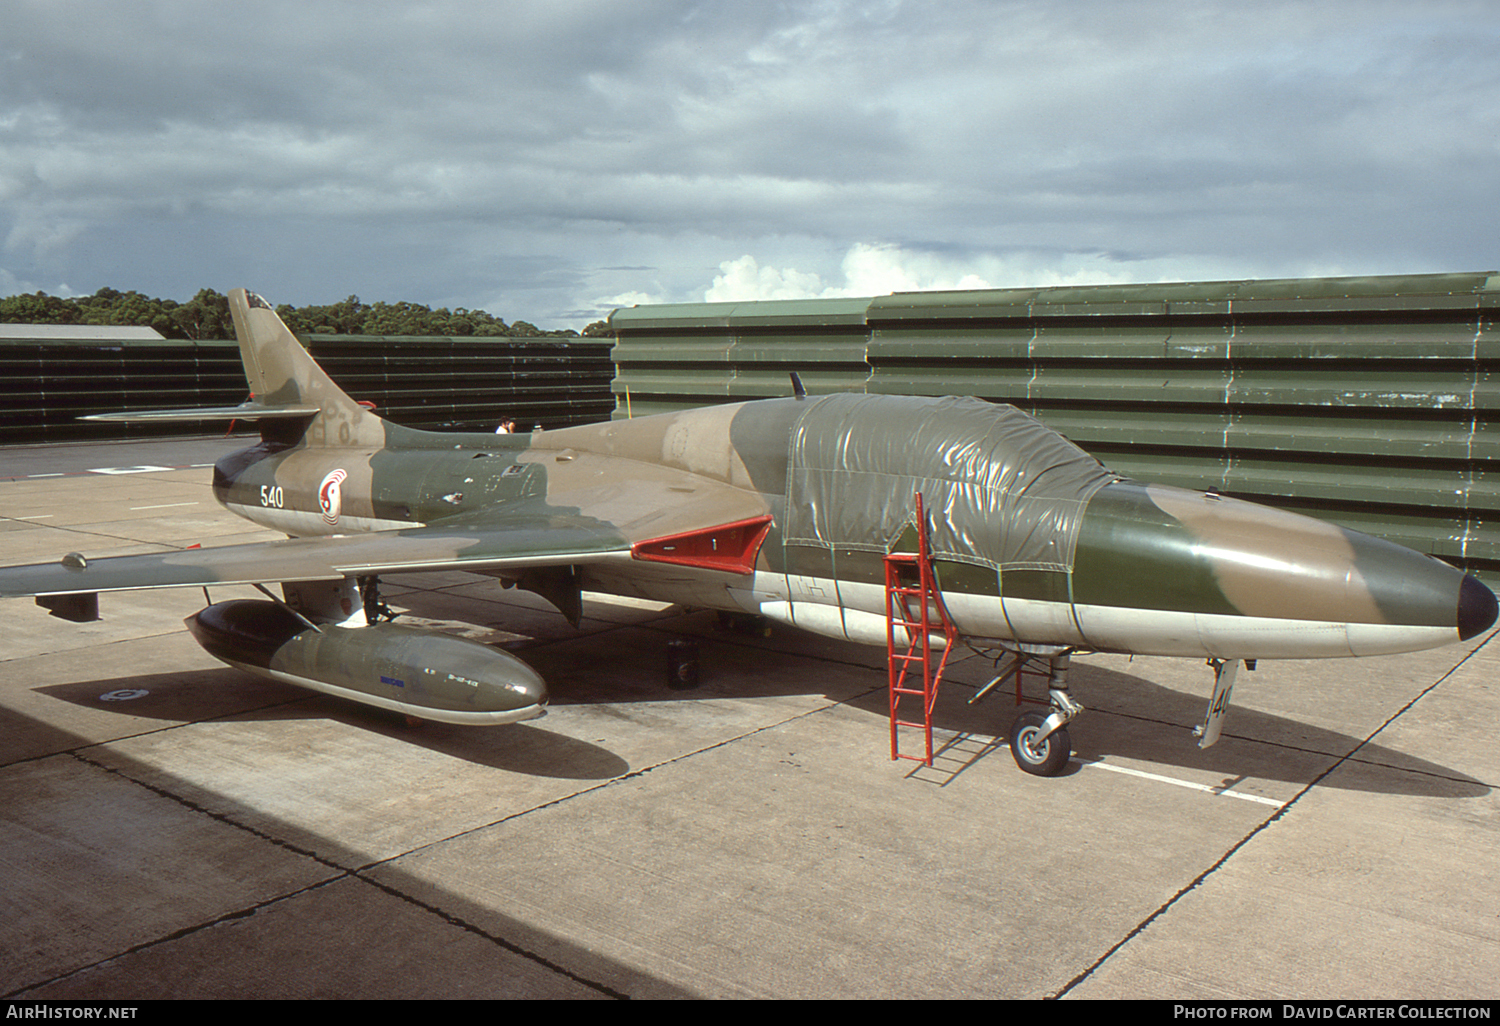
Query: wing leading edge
[[534, 539], [694, 533]]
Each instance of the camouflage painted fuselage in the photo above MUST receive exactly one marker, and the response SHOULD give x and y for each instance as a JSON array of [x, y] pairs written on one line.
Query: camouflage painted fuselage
[[786, 508], [1034, 541]]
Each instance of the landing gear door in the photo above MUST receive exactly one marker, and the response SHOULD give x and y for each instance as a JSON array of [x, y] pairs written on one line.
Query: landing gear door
[[1213, 722]]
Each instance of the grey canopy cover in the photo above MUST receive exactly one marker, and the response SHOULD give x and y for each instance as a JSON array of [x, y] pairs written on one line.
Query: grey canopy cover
[[1000, 488]]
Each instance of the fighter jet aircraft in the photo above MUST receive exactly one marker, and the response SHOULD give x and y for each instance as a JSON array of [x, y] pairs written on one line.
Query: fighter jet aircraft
[[783, 508]]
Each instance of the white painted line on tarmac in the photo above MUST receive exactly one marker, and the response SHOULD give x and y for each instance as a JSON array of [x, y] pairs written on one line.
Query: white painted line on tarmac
[[35, 476], [127, 470], [165, 505], [38, 516], [1101, 764]]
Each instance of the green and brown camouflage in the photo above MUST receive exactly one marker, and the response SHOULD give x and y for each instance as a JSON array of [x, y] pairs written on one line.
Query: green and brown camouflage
[[783, 508]]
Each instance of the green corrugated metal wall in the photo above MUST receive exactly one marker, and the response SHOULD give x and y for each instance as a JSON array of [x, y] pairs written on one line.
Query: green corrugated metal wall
[[450, 384], [471, 384], [692, 354], [1369, 401], [47, 384]]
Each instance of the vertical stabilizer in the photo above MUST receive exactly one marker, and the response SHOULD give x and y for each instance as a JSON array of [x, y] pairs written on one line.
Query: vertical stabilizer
[[281, 373]]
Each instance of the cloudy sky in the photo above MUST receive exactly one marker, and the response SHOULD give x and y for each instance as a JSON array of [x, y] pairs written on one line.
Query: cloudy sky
[[549, 161]]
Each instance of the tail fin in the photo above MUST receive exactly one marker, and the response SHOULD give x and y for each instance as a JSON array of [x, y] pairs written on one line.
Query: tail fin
[[290, 395], [283, 376]]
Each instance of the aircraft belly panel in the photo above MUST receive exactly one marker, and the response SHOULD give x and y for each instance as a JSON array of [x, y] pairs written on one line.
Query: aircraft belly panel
[[1367, 639], [663, 582], [831, 621], [856, 611], [1040, 622], [1172, 633]]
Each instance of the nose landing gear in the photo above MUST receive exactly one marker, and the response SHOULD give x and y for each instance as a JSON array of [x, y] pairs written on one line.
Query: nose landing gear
[[1036, 751], [1039, 741]]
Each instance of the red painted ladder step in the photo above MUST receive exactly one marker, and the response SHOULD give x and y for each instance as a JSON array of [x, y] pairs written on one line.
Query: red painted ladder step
[[915, 672]]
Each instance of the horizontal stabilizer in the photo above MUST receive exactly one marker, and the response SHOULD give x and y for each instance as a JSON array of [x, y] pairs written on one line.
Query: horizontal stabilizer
[[244, 411]]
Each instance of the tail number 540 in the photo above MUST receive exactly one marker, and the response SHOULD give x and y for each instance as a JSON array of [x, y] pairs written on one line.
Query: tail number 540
[[271, 495]]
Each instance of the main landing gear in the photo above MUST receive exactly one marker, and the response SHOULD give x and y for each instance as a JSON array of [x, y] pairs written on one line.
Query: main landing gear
[[1039, 741]]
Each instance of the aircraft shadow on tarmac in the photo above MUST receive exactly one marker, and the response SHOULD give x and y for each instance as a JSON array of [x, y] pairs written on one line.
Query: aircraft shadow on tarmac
[[1129, 717], [1132, 718], [1139, 719], [180, 697], [1155, 730]]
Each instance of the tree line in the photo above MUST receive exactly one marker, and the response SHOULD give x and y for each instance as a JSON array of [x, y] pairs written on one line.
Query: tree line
[[206, 316]]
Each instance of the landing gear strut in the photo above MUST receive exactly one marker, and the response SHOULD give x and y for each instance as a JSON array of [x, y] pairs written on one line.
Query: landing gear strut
[[1039, 741], [376, 610]]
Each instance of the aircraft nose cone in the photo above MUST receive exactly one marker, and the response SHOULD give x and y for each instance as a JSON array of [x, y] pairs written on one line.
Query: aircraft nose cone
[[1477, 608]]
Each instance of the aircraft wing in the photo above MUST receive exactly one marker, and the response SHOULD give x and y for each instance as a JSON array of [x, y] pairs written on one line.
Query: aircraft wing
[[521, 541], [709, 532]]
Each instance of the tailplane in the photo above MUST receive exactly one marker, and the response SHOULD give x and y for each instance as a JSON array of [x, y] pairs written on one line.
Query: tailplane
[[283, 376], [289, 393]]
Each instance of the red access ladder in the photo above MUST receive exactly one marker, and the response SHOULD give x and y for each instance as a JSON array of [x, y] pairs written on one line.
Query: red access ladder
[[914, 604]]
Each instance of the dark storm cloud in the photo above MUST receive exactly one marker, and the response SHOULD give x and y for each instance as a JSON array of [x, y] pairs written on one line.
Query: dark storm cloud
[[546, 160]]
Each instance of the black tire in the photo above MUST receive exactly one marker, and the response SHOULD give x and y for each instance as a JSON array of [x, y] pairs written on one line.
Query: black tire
[[1046, 759]]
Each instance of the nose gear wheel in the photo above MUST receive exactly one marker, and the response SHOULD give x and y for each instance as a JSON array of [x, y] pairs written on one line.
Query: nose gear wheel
[[1036, 751]]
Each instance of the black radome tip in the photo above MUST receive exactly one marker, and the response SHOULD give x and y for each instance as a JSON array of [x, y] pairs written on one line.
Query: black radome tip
[[1476, 608]]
